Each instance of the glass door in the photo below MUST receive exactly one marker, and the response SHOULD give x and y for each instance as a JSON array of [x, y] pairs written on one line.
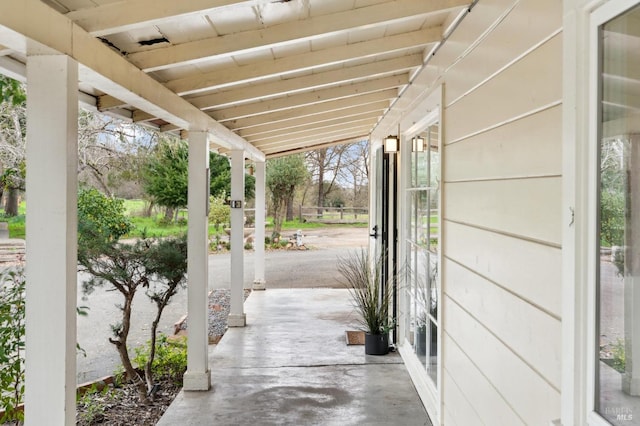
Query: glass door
[[422, 248], [617, 340]]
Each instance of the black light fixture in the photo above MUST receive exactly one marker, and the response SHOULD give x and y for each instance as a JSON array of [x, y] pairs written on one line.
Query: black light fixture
[[418, 144], [391, 144]]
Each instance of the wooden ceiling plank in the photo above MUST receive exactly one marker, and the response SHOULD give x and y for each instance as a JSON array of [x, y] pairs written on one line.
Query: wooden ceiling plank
[[325, 107], [288, 32], [315, 130], [298, 150], [308, 145], [310, 98], [313, 137], [308, 82], [312, 123], [128, 15], [304, 61]]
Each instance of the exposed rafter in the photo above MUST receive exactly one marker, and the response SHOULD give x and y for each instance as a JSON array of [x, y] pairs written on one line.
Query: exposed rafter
[[309, 82], [385, 95], [310, 98], [305, 61], [121, 16], [287, 32]]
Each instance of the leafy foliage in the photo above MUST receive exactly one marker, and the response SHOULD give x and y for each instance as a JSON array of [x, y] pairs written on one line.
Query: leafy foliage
[[166, 174], [284, 174], [12, 91], [170, 360], [101, 219], [220, 182], [219, 211], [12, 340], [159, 266]]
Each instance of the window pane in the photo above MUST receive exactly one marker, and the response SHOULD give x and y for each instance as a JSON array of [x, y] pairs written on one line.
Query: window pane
[[618, 313]]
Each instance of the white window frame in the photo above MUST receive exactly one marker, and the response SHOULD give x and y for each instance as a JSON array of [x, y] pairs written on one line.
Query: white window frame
[[581, 103], [425, 114]]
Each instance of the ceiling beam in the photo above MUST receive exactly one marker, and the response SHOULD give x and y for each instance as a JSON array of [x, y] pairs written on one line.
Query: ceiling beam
[[273, 67], [307, 145], [287, 33], [340, 104], [298, 150], [105, 69], [312, 137], [127, 15], [315, 130], [307, 82], [311, 123], [310, 98]]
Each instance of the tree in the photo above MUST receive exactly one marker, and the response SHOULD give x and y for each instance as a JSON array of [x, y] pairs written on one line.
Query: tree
[[159, 266], [13, 121], [325, 164], [111, 153], [284, 174], [220, 171], [101, 219], [166, 175]]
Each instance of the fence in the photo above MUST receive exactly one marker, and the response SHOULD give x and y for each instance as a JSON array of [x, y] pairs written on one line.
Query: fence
[[333, 214]]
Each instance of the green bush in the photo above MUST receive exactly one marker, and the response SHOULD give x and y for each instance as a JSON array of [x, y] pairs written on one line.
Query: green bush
[[101, 219], [170, 361], [612, 217], [12, 322], [219, 211]]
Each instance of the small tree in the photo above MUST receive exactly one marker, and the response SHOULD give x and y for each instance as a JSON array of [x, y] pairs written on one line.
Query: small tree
[[284, 174], [158, 266], [166, 175], [219, 210]]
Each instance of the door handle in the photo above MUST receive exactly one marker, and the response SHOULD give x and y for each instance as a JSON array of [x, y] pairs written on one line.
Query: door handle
[[375, 232]]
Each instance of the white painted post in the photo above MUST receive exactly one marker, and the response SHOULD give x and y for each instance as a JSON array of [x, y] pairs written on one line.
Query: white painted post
[[237, 317], [259, 283], [198, 376], [52, 185]]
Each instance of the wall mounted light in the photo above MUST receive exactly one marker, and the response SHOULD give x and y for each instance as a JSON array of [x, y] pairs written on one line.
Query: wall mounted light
[[391, 144], [418, 144]]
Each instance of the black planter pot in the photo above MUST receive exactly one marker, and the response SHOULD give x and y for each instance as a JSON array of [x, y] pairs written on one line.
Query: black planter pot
[[376, 344]]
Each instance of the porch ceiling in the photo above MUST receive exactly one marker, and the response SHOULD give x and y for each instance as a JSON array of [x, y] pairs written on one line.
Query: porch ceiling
[[268, 76]]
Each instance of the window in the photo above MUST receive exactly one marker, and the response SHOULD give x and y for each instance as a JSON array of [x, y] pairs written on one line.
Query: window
[[423, 250], [617, 366]]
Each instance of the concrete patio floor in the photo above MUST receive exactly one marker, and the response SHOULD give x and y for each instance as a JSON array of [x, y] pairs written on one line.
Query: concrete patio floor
[[291, 366]]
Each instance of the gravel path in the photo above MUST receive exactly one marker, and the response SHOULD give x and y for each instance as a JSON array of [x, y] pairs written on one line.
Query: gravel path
[[219, 307]]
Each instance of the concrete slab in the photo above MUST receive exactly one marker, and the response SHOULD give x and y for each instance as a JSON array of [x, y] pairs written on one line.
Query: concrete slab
[[291, 365]]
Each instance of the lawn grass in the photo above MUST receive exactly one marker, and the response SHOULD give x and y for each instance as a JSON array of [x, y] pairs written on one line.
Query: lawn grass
[[154, 226]]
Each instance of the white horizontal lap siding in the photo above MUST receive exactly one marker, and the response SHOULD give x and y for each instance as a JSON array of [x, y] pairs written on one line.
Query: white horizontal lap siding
[[506, 380], [502, 184]]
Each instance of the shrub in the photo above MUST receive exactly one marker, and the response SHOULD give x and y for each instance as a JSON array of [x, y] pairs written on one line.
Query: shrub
[[219, 211], [12, 322], [170, 361], [101, 219]]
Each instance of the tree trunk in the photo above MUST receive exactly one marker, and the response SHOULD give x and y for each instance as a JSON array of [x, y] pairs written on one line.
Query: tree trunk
[[149, 210], [11, 205], [121, 345], [290, 207], [168, 214]]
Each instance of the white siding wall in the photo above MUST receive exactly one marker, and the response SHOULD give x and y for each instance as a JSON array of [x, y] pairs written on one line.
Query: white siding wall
[[501, 214]]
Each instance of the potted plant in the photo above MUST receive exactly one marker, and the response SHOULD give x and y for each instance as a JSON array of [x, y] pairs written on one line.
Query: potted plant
[[370, 298]]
